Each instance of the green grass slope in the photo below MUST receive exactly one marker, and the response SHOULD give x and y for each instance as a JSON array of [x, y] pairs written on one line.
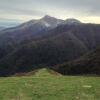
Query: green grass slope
[[44, 72], [44, 85]]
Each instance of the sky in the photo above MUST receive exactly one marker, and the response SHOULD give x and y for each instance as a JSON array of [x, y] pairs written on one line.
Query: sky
[[19, 11]]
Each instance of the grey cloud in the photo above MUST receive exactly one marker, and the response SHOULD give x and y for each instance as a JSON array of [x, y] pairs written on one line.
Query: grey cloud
[[88, 7], [24, 12], [21, 11], [36, 7]]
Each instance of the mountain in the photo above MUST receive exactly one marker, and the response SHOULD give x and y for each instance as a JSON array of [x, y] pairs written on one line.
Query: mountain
[[46, 21], [51, 21], [55, 47], [11, 38], [72, 21], [44, 52], [45, 42], [88, 64], [29, 29]]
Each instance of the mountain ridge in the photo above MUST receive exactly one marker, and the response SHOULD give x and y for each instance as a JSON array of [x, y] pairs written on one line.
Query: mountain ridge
[[89, 64], [36, 45]]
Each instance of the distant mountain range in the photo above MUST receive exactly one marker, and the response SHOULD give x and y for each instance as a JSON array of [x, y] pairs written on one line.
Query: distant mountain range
[[1, 28], [44, 43], [8, 24]]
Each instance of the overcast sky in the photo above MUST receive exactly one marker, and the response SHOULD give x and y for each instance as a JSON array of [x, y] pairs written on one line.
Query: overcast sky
[[24, 10]]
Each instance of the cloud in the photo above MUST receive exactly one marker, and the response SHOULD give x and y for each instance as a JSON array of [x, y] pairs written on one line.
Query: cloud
[[57, 8], [21, 11]]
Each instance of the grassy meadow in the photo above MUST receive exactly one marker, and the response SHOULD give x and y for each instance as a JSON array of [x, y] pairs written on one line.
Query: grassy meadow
[[45, 85]]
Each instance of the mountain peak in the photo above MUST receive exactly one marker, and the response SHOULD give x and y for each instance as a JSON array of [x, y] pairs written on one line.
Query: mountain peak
[[47, 17], [72, 21], [50, 21]]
